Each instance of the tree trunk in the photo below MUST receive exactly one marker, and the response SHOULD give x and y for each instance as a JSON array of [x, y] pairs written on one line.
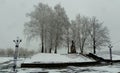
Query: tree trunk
[[68, 40], [45, 50], [68, 49], [94, 47], [42, 51], [56, 44], [55, 50], [50, 50], [51, 45], [81, 51], [45, 38], [68, 45]]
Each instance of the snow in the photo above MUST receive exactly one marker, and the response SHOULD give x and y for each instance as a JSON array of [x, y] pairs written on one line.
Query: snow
[[95, 69], [56, 58], [29, 70], [37, 70], [47, 58]]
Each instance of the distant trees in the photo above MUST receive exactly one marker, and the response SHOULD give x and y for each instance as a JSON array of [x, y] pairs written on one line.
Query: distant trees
[[2, 52], [53, 28], [9, 52], [22, 52]]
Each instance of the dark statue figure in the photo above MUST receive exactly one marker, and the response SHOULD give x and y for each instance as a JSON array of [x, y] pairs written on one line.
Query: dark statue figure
[[73, 49]]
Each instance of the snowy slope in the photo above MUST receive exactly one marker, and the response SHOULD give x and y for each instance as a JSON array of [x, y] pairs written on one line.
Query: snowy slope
[[107, 56], [56, 58], [7, 62], [5, 59]]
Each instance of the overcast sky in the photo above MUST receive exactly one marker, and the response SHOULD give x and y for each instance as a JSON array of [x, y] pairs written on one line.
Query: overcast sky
[[12, 17]]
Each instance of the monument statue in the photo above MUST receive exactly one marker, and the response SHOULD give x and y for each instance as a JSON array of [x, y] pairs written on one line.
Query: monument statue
[[73, 49]]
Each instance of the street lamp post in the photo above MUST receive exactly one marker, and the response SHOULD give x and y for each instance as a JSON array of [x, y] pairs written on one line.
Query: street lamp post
[[110, 48], [17, 42]]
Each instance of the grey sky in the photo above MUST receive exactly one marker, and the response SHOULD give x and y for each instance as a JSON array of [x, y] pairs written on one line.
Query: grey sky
[[12, 16]]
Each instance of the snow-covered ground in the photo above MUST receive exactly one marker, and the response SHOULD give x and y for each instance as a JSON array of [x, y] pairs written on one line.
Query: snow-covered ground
[[96, 69], [47, 58], [57, 58]]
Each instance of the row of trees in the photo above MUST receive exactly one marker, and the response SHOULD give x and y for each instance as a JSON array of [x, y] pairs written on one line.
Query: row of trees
[[9, 52], [52, 27]]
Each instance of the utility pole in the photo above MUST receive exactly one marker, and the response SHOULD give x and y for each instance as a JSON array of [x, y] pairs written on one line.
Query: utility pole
[[110, 48], [17, 42]]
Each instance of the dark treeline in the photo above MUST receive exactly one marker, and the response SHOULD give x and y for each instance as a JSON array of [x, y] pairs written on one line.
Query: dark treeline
[[52, 27], [9, 52]]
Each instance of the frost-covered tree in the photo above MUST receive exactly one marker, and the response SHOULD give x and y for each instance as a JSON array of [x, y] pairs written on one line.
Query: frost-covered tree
[[67, 38], [37, 26], [74, 31], [61, 24], [82, 23], [51, 32], [47, 24]]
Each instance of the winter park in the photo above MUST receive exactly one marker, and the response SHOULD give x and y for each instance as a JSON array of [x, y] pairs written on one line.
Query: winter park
[[59, 36]]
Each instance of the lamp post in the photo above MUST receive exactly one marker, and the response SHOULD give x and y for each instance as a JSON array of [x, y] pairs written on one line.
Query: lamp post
[[17, 42], [110, 48]]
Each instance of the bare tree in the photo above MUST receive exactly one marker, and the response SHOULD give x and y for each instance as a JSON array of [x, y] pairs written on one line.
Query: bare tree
[[99, 34], [88, 32]]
